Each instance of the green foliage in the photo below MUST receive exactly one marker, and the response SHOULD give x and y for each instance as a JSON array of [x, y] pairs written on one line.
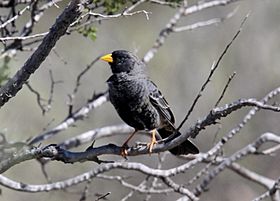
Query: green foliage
[[112, 6], [4, 70], [174, 1], [89, 32]]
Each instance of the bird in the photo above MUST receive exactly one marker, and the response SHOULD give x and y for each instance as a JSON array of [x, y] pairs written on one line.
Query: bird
[[140, 103]]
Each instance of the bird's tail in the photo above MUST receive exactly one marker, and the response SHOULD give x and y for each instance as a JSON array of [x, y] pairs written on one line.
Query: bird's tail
[[187, 147]]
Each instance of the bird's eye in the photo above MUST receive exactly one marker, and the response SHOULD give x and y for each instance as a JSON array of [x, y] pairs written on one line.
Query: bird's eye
[[120, 62]]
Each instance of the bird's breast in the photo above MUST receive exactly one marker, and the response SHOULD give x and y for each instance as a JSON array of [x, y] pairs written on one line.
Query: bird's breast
[[128, 94], [131, 100]]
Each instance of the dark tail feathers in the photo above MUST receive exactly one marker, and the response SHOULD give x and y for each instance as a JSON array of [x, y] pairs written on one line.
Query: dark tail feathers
[[187, 147]]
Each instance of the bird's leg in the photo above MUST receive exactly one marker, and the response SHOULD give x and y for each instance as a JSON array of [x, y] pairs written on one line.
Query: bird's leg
[[124, 146], [153, 141]]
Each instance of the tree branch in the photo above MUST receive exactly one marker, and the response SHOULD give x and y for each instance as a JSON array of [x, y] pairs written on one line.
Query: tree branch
[[72, 118], [273, 192], [213, 69], [249, 149], [170, 26], [57, 153], [14, 85]]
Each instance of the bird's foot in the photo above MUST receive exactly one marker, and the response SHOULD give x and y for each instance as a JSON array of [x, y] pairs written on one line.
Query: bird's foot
[[151, 145], [124, 152], [125, 147], [153, 141]]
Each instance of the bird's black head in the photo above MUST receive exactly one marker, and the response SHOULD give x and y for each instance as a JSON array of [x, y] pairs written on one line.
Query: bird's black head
[[122, 61]]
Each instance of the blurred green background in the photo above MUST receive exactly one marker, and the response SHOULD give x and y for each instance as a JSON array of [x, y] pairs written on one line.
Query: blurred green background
[[179, 69]]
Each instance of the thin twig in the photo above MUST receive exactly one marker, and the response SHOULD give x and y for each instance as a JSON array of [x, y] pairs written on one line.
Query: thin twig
[[273, 192], [204, 23], [24, 37], [15, 17], [164, 3], [178, 188], [213, 69], [79, 114], [85, 191], [271, 150], [53, 83], [225, 89], [184, 10], [82, 73], [100, 16], [199, 174], [103, 196], [140, 186], [249, 149], [14, 85], [38, 97]]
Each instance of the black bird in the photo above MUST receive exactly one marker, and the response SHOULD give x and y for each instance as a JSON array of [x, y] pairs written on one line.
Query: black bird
[[139, 102]]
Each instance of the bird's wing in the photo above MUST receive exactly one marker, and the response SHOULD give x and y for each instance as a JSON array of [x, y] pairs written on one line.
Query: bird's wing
[[159, 102]]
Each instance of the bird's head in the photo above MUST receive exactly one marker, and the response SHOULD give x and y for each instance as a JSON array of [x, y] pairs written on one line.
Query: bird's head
[[122, 61]]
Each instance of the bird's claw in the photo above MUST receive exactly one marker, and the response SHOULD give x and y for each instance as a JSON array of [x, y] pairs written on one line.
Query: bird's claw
[[124, 152], [151, 146], [153, 142]]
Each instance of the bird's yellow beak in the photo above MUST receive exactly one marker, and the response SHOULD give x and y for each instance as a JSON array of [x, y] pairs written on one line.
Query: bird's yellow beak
[[107, 57]]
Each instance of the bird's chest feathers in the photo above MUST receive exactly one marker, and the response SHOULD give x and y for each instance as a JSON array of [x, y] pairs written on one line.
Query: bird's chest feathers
[[126, 88], [130, 97]]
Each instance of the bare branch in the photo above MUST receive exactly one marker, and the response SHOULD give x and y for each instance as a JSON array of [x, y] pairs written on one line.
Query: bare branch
[[38, 97], [103, 196], [14, 18], [91, 154], [225, 89], [204, 23], [100, 17], [88, 175], [79, 77], [141, 185], [125, 13], [36, 14], [165, 3], [11, 88], [213, 69], [85, 191], [194, 130], [140, 189], [245, 120], [23, 37], [35, 17], [273, 192], [95, 134], [235, 167], [219, 112], [50, 151], [155, 179], [178, 188], [44, 107], [249, 149], [183, 11], [252, 176], [59, 57], [271, 150], [198, 175], [53, 83], [70, 120]]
